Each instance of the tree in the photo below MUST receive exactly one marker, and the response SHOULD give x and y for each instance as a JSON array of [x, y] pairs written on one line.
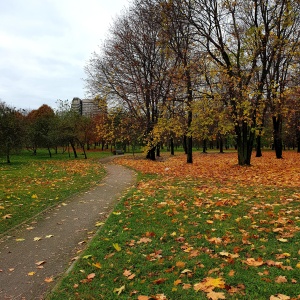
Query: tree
[[40, 128], [132, 68], [11, 130]]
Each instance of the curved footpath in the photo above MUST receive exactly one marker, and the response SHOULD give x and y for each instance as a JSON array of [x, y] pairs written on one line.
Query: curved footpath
[[56, 237]]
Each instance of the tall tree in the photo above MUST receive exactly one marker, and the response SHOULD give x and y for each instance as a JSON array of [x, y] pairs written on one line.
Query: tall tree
[[132, 68]]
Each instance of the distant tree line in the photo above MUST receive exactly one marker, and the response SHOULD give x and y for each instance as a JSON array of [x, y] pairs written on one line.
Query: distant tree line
[[203, 70]]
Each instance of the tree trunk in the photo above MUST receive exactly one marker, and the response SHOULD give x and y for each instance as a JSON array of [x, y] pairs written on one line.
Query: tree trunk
[[258, 145], [221, 144], [277, 135], [204, 144], [74, 149], [151, 154], [244, 141], [83, 149], [172, 146], [189, 144], [49, 151], [158, 150], [298, 141]]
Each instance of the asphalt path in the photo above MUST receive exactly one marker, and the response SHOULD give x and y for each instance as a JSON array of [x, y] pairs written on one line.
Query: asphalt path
[[34, 256]]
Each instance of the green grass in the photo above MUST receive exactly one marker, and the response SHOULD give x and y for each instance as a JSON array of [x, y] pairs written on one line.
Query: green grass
[[30, 184], [168, 235]]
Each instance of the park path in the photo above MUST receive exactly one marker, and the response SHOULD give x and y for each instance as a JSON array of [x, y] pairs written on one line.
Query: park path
[[56, 237]]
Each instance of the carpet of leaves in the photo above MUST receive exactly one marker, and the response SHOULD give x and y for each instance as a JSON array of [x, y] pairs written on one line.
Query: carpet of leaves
[[264, 171]]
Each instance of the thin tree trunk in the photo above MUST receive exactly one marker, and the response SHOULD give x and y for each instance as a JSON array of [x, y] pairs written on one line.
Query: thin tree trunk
[[172, 146], [277, 135], [74, 149], [258, 145]]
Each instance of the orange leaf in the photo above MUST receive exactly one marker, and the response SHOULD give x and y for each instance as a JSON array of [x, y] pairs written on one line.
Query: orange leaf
[[180, 264], [48, 279], [254, 263], [91, 276], [159, 281], [215, 296]]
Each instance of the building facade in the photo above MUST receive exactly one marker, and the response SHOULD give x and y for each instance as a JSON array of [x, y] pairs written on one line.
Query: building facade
[[85, 107]]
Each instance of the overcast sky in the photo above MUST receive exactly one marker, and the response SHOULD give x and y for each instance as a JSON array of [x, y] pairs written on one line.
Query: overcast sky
[[45, 44]]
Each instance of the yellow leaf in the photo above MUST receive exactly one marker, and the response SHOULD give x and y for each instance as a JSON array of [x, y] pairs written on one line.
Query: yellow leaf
[[49, 236], [31, 273], [298, 265], [98, 224], [282, 240], [119, 290], [37, 239], [117, 247], [34, 196], [20, 240], [97, 265]]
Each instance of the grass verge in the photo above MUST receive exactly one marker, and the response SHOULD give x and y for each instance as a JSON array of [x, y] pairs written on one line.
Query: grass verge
[[33, 183], [187, 237]]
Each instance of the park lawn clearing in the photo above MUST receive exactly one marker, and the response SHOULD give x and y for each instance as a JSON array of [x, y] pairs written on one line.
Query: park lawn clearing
[[190, 236], [32, 184]]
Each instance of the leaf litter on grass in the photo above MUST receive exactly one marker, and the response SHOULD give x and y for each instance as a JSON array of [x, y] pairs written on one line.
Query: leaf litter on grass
[[207, 230]]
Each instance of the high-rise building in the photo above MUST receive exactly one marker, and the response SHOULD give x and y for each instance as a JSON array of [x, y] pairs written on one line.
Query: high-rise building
[[85, 107]]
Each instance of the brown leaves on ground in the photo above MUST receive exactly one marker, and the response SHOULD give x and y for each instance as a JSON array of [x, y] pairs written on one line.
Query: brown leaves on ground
[[266, 170]]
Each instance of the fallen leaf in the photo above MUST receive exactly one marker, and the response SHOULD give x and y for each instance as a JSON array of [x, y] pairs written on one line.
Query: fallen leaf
[[97, 265], [282, 240], [180, 264], [31, 273], [159, 281], [144, 240], [91, 276], [280, 297], [141, 297], [177, 282], [98, 224], [20, 240], [117, 247], [48, 279], [254, 263], [36, 239], [215, 295], [49, 236], [119, 290], [8, 216], [186, 286], [39, 263], [281, 279]]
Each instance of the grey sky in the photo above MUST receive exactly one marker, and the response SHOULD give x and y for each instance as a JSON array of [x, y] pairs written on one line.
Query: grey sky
[[45, 44]]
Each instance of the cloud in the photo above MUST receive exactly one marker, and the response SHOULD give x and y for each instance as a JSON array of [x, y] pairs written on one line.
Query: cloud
[[45, 46]]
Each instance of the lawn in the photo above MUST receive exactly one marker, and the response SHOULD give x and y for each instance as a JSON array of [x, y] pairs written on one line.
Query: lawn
[[211, 230], [31, 184]]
